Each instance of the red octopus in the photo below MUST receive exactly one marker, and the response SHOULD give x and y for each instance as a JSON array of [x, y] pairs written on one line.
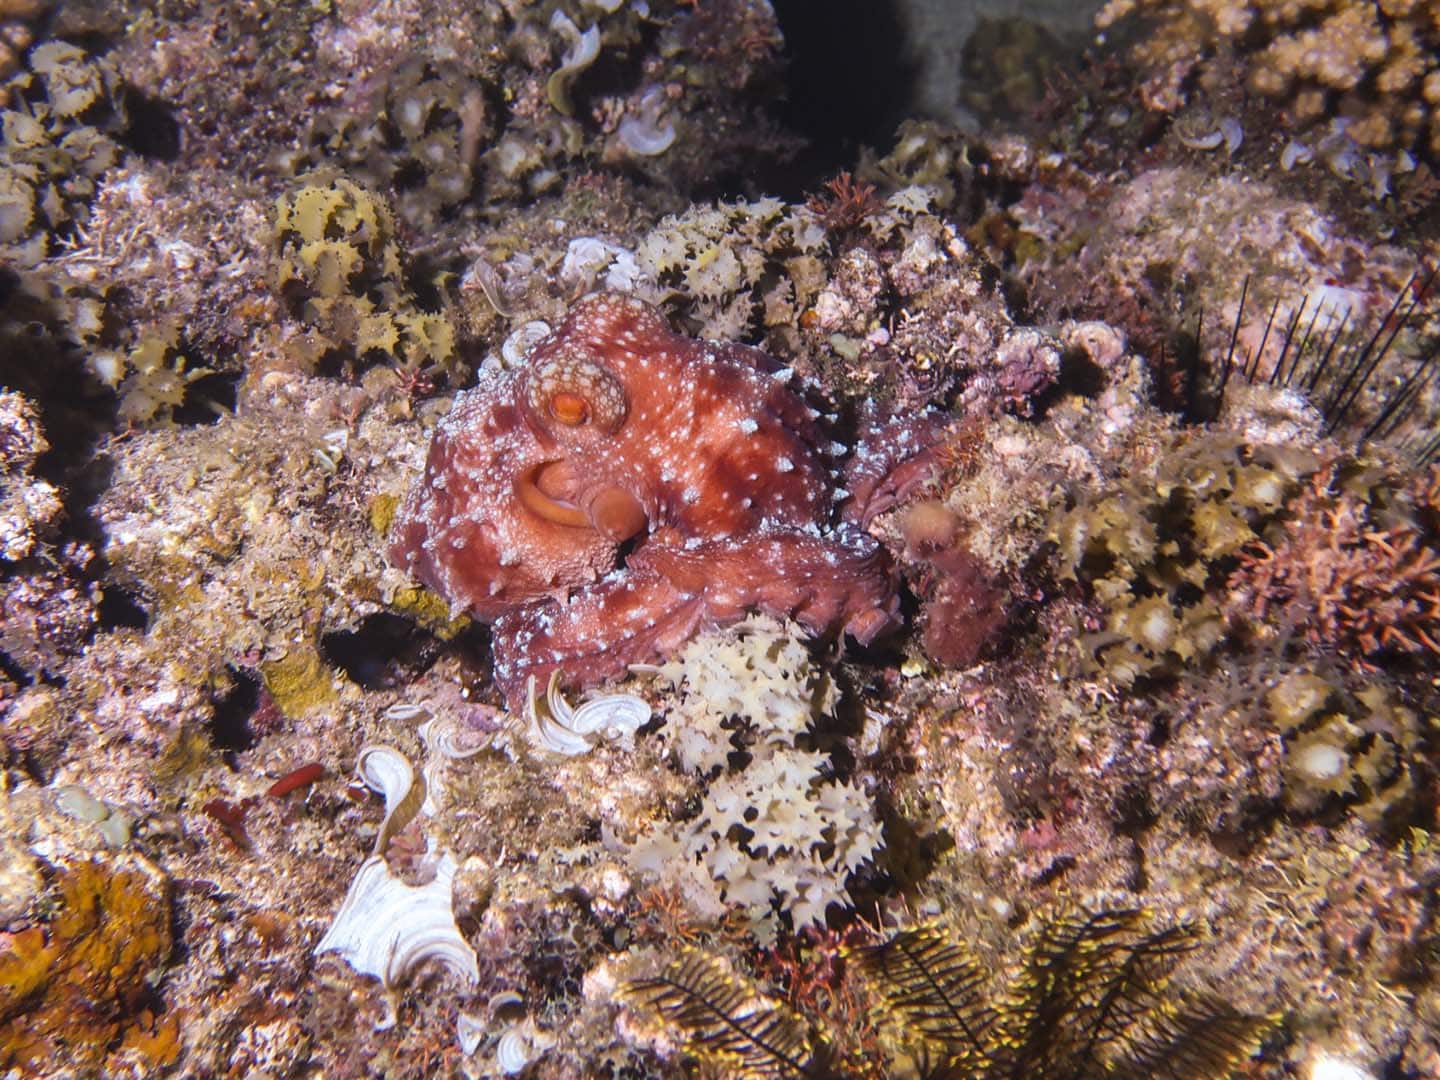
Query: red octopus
[[626, 486]]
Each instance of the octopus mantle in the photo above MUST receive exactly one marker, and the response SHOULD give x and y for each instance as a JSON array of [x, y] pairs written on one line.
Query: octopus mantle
[[627, 486]]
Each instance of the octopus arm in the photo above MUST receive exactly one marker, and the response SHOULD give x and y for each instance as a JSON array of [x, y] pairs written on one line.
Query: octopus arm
[[839, 581], [893, 458], [596, 634]]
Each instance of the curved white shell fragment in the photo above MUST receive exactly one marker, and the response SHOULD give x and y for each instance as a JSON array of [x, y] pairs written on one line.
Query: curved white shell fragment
[[388, 771], [1210, 140], [581, 52], [469, 1032], [446, 742], [519, 1045], [1234, 134], [1295, 153], [554, 725], [449, 741], [647, 132], [513, 1052], [516, 348], [387, 928], [406, 710]]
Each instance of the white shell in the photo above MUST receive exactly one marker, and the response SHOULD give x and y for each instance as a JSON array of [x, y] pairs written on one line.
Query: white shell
[[445, 743], [513, 1052], [517, 345], [388, 771], [1295, 153], [584, 47], [519, 1045], [1234, 134], [554, 725], [646, 131], [1211, 140], [469, 1032], [387, 928], [443, 737]]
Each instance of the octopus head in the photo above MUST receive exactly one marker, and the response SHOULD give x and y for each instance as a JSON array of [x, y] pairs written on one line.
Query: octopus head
[[576, 404]]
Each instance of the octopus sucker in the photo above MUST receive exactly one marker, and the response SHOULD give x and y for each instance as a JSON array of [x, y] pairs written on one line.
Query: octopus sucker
[[619, 430]]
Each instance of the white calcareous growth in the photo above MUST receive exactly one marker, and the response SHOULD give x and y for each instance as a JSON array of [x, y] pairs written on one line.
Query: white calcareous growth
[[646, 131], [385, 927], [553, 724]]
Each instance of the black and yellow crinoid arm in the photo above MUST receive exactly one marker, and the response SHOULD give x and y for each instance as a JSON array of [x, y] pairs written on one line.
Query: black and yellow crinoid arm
[[725, 1018], [932, 988], [1091, 1000]]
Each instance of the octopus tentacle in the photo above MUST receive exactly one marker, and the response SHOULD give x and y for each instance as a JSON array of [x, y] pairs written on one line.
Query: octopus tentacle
[[624, 619]]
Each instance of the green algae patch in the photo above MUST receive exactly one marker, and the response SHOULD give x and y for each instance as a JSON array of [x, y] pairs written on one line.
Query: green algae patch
[[70, 990], [300, 682]]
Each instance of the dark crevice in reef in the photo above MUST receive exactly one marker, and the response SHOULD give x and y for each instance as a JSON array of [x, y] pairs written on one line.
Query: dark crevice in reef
[[208, 398], [10, 669], [372, 655], [230, 727], [119, 608], [153, 130], [848, 83]]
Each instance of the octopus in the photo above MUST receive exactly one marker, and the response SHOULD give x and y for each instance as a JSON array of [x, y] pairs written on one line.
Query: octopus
[[627, 486]]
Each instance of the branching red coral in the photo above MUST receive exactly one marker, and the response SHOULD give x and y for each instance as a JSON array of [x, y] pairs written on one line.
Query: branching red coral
[[848, 203], [1351, 583]]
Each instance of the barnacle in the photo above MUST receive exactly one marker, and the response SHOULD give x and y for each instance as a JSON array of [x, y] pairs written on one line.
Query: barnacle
[[419, 144], [1358, 752], [1156, 551], [338, 266], [55, 144], [159, 375]]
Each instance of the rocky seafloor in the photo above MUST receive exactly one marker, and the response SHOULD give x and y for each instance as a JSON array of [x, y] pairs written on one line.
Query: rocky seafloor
[[1144, 777]]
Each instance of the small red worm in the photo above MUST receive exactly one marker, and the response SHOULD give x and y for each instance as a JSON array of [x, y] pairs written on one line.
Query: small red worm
[[297, 778]]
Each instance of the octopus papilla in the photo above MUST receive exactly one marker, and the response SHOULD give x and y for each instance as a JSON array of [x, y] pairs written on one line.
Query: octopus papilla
[[627, 486]]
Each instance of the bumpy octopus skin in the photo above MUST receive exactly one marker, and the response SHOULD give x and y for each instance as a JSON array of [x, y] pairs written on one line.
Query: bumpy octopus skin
[[618, 431]]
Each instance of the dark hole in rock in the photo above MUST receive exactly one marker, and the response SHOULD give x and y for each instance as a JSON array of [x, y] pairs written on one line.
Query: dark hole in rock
[[119, 608], [230, 730], [848, 81], [1134, 811], [154, 132], [372, 654], [208, 398], [1079, 374], [12, 671]]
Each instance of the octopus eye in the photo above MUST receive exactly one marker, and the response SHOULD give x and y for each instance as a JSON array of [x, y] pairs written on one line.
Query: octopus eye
[[572, 410], [574, 394]]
